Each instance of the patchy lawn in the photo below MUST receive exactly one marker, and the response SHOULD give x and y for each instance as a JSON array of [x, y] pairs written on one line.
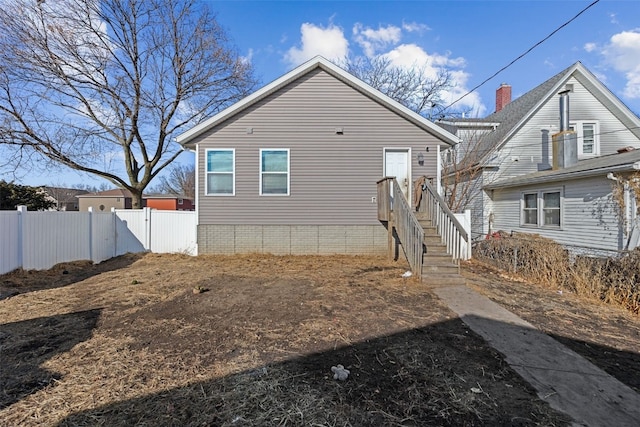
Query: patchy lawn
[[154, 340]]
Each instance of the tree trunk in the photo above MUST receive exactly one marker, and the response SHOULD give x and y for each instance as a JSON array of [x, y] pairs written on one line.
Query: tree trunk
[[136, 199]]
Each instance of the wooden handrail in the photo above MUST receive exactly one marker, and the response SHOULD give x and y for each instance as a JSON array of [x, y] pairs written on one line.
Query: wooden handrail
[[453, 234], [404, 221]]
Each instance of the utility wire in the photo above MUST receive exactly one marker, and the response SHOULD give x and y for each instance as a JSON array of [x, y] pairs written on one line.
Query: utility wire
[[523, 54]]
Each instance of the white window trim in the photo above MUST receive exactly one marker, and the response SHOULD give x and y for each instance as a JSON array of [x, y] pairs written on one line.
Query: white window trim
[[288, 193], [207, 172], [578, 127], [540, 208], [522, 209]]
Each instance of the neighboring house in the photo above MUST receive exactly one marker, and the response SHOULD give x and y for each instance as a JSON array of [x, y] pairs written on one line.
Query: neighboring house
[[105, 200], [292, 168], [65, 199], [169, 202], [515, 182]]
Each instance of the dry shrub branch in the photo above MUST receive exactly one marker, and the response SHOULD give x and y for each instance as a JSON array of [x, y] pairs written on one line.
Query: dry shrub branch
[[541, 260]]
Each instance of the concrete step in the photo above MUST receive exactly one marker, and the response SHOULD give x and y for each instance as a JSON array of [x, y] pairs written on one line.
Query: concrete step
[[441, 268], [438, 258], [436, 249], [442, 279]]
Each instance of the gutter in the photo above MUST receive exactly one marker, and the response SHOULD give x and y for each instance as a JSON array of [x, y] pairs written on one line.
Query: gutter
[[563, 176]]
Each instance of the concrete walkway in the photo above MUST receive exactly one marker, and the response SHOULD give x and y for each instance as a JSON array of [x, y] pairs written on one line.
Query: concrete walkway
[[561, 377]]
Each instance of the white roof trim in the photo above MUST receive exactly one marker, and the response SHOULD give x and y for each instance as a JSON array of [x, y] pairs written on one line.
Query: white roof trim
[[318, 61]]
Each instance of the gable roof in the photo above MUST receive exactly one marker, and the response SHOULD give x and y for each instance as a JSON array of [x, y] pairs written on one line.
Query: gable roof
[[516, 113], [318, 62], [620, 162]]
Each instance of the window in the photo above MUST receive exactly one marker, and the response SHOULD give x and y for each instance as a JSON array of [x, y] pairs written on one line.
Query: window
[[551, 208], [220, 172], [530, 210], [180, 201], [542, 209], [274, 172], [588, 140]]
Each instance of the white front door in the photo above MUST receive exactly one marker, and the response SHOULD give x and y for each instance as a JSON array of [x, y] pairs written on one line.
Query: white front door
[[396, 163]]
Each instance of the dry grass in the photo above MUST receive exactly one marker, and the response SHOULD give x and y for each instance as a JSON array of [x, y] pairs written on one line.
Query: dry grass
[[541, 260], [130, 343]]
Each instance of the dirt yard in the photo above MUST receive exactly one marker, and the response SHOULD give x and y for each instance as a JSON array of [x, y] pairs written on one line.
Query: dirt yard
[[170, 340]]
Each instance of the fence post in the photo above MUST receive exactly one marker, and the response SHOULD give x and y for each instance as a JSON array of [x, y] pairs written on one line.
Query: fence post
[[22, 212], [90, 209], [147, 228], [114, 224]]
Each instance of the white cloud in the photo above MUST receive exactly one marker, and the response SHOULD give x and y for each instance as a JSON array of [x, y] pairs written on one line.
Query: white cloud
[[623, 54], [373, 41], [411, 55], [590, 47], [329, 42], [414, 27]]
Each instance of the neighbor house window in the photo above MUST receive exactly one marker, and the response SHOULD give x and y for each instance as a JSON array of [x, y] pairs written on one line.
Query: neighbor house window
[[588, 138], [180, 201], [220, 179], [542, 209], [530, 209], [274, 172], [551, 208]]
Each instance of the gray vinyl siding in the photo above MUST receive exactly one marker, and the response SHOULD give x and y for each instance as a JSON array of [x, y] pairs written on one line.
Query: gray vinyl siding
[[525, 152], [332, 177], [589, 218]]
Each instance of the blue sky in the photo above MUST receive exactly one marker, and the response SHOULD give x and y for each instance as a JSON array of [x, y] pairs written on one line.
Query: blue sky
[[471, 39]]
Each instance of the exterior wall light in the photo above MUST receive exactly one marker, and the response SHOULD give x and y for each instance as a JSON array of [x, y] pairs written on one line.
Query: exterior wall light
[[420, 159]]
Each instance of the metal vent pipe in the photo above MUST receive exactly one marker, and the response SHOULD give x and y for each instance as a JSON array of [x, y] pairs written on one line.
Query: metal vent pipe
[[564, 110]]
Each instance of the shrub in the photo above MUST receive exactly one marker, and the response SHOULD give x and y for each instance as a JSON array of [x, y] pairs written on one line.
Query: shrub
[[537, 259]]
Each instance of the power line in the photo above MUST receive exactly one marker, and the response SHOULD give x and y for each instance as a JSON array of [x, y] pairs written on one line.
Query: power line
[[523, 54], [531, 132]]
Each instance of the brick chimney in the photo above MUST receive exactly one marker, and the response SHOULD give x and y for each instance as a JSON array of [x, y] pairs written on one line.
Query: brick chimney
[[503, 96]]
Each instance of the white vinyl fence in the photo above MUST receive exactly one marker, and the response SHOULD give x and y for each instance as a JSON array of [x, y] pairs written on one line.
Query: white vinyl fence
[[39, 240]]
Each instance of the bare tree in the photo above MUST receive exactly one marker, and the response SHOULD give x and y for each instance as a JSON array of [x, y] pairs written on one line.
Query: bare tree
[[103, 86], [412, 87], [462, 168], [181, 181]]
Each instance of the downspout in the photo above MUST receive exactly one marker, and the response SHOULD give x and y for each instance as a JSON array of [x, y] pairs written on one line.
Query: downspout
[[626, 200]]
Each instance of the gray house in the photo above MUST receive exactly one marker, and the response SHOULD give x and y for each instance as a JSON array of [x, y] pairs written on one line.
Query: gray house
[[518, 181], [292, 168]]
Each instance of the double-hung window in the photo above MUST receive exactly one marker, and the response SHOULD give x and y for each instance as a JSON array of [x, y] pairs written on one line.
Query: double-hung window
[[530, 209], [274, 171], [551, 209], [220, 172], [542, 209], [587, 133]]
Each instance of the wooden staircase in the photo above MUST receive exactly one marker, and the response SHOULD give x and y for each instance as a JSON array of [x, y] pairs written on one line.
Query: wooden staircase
[[432, 238], [438, 267]]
